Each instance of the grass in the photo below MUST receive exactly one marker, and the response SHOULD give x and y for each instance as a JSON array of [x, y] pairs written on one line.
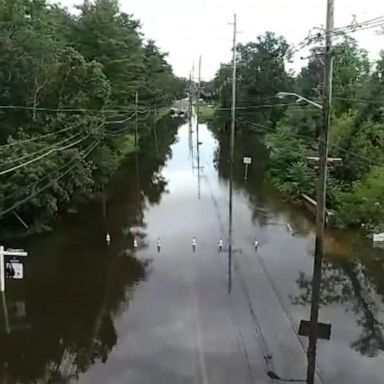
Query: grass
[[207, 112]]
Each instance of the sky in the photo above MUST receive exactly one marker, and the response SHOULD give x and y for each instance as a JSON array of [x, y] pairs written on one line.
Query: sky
[[187, 29]]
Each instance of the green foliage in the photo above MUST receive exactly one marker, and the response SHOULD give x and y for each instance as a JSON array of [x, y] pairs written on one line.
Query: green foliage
[[91, 63], [261, 74], [351, 71], [364, 203], [290, 173], [206, 112], [355, 185]]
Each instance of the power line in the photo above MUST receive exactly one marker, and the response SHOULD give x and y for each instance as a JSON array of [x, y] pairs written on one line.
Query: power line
[[262, 106], [47, 109], [30, 196], [40, 150], [318, 100], [352, 28], [41, 180], [53, 181], [360, 100], [118, 132], [365, 159], [19, 142], [356, 25], [43, 156], [113, 133], [271, 130], [121, 121]]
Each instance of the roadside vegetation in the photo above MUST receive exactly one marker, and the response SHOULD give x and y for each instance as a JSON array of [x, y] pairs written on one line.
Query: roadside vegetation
[[290, 128], [68, 85], [207, 112]]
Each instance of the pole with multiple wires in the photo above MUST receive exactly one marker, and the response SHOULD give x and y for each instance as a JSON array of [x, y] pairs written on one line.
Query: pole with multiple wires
[[321, 195]]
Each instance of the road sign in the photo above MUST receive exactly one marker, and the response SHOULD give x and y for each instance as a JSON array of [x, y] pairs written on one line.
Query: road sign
[[323, 329], [14, 269], [246, 161], [12, 250]]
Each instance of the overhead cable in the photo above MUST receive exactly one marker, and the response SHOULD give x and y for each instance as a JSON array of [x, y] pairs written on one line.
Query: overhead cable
[[28, 155], [50, 152], [52, 182]]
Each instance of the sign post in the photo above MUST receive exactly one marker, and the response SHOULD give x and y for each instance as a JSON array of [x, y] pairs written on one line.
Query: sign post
[[246, 161], [15, 265]]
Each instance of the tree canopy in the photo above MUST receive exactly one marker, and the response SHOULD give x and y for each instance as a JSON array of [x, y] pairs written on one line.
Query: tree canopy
[[64, 78], [292, 128]]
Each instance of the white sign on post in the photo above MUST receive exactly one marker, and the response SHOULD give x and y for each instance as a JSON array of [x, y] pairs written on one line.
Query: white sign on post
[[246, 161], [14, 269]]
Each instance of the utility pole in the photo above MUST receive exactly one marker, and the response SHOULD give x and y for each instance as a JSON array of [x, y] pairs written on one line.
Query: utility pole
[[136, 123], [190, 97], [232, 139], [321, 195], [198, 91], [190, 115], [197, 130]]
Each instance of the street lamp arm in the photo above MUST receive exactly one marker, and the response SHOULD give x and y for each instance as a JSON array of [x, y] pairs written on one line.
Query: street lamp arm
[[280, 95]]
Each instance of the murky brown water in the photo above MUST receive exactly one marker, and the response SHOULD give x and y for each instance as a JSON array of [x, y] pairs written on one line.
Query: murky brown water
[[89, 313]]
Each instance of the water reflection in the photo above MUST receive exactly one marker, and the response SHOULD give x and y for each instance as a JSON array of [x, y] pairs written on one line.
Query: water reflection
[[351, 277], [350, 284], [59, 321]]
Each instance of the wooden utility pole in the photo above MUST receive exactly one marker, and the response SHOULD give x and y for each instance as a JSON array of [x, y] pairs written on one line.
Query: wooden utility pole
[[232, 139], [190, 97], [321, 195], [136, 122], [197, 130], [198, 91]]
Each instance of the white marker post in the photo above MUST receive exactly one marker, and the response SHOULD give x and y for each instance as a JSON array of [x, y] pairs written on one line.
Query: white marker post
[[194, 243], [246, 161], [220, 245], [3, 253]]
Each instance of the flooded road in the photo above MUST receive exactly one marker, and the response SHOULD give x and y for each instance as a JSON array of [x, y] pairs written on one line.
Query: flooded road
[[88, 313]]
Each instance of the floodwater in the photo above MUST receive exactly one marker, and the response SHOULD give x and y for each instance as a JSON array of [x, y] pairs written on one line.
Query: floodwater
[[164, 312]]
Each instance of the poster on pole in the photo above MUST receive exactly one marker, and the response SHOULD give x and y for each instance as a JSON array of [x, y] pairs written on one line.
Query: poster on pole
[[14, 269]]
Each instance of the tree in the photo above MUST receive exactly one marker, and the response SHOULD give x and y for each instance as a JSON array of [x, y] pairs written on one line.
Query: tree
[[62, 73], [351, 72], [364, 204], [261, 75], [104, 34]]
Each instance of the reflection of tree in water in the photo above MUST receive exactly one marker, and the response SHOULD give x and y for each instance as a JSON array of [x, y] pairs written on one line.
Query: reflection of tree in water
[[76, 285], [264, 200], [353, 284], [350, 284]]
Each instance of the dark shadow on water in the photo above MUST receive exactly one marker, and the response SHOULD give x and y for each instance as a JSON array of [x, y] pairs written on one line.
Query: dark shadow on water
[[61, 317]]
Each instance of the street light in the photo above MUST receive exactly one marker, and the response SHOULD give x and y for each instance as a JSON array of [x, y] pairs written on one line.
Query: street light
[[281, 95]]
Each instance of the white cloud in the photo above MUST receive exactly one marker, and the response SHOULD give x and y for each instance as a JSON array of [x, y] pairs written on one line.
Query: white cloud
[[186, 29]]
